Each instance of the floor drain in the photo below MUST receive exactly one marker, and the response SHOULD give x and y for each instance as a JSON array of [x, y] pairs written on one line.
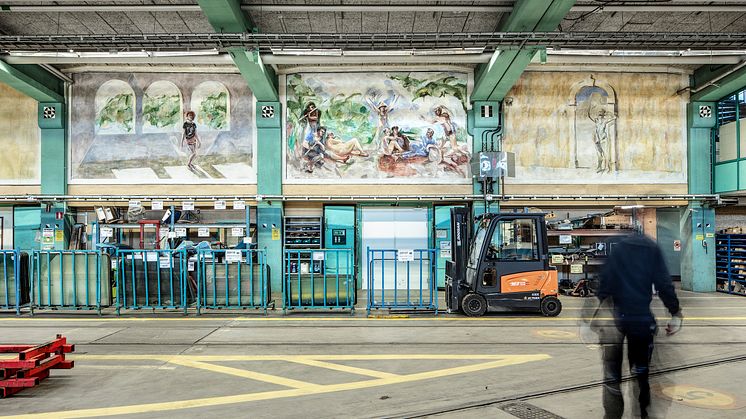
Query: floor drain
[[528, 411]]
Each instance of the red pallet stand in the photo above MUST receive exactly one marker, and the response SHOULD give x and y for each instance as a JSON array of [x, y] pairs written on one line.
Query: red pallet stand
[[32, 364]]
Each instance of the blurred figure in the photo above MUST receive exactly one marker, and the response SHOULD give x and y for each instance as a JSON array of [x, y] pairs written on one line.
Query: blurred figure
[[627, 278]]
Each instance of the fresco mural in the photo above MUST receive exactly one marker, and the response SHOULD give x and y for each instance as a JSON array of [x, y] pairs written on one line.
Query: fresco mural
[[400, 127], [20, 162], [161, 128], [581, 128]]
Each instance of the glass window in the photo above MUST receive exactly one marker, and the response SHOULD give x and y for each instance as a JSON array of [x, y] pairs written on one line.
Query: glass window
[[478, 241], [514, 240]]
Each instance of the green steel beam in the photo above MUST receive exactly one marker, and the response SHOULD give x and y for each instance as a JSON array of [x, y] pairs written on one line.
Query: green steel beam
[[497, 77], [227, 16], [725, 81], [32, 81]]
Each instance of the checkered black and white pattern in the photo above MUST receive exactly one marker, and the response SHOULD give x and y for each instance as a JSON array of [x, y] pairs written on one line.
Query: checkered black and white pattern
[[49, 112], [268, 111], [705, 111]]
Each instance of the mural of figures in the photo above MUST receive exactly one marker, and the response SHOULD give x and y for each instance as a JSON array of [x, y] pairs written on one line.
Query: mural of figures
[[405, 127], [20, 161], [607, 128], [161, 128]]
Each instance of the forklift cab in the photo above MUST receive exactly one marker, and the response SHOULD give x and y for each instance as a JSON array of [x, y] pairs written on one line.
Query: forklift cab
[[507, 267]]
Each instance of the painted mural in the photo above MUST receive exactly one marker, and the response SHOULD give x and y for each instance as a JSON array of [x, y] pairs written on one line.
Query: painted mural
[[161, 128], [582, 128], [20, 162], [398, 127]]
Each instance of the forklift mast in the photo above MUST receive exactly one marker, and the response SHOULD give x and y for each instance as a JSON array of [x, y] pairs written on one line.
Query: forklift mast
[[461, 226]]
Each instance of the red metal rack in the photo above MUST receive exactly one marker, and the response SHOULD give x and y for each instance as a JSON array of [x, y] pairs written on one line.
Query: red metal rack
[[32, 364]]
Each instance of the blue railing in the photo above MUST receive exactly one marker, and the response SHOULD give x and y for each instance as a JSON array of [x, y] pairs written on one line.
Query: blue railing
[[319, 278], [151, 279], [400, 279], [11, 295], [70, 279], [232, 279]]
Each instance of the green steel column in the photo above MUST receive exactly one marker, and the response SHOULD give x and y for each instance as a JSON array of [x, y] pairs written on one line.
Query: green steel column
[[700, 121], [483, 123], [269, 148], [698, 248], [269, 236], [53, 150]]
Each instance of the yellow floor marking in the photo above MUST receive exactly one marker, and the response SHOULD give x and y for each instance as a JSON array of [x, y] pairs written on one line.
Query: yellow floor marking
[[700, 397], [322, 389], [289, 358], [238, 372], [343, 368]]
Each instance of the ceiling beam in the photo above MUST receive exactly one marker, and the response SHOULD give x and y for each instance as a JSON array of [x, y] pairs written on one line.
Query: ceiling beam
[[497, 77], [227, 16], [32, 81]]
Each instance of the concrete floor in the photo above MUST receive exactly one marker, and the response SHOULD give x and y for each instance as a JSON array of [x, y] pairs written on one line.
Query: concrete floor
[[324, 365]]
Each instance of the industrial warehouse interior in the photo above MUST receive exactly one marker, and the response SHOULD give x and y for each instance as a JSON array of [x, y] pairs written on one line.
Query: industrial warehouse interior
[[373, 209]]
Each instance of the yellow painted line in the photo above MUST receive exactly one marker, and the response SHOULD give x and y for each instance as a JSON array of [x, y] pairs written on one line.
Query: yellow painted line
[[322, 389], [267, 378], [289, 358], [537, 318], [343, 368]]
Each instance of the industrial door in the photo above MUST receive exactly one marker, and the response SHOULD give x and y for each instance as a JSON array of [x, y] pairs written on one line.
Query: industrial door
[[668, 231]]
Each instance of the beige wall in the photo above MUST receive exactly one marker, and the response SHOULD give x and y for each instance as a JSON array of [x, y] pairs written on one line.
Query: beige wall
[[19, 138]]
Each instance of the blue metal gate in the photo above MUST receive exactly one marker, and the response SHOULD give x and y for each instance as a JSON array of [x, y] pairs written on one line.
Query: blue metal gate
[[152, 279], [70, 279], [11, 294], [319, 278], [232, 279], [402, 279]]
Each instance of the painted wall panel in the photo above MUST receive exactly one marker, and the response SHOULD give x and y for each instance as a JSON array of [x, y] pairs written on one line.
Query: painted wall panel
[[129, 129], [380, 128], [726, 177], [19, 138], [727, 144], [597, 128]]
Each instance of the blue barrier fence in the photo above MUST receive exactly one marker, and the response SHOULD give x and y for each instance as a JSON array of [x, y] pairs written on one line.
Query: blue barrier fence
[[70, 279], [232, 279], [11, 295], [151, 279], [402, 279], [319, 278]]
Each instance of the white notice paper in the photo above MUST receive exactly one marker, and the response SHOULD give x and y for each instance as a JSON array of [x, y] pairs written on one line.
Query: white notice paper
[[237, 232], [181, 231], [219, 205], [187, 205], [203, 232], [151, 256], [156, 205], [318, 255], [232, 255], [405, 255], [565, 239], [239, 205], [164, 262], [107, 232]]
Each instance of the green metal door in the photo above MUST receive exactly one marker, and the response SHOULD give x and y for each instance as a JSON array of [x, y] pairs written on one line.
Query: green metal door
[[668, 232], [339, 233]]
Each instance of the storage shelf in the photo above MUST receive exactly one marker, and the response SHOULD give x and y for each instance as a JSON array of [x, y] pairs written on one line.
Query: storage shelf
[[730, 253]]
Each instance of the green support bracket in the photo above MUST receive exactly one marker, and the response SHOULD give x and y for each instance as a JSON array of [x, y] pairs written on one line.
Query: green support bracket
[[494, 79], [32, 81], [723, 81], [261, 79]]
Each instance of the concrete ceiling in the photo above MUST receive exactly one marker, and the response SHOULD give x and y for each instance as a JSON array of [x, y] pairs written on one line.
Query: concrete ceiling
[[183, 16]]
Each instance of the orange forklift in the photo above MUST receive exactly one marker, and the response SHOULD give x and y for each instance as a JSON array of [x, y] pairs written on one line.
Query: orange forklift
[[499, 262]]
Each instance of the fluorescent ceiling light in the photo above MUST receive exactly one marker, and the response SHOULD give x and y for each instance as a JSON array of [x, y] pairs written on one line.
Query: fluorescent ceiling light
[[626, 207], [307, 51], [643, 53], [123, 54]]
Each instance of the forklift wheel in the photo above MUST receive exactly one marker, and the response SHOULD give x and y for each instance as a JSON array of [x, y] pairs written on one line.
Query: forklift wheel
[[551, 306], [474, 305]]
